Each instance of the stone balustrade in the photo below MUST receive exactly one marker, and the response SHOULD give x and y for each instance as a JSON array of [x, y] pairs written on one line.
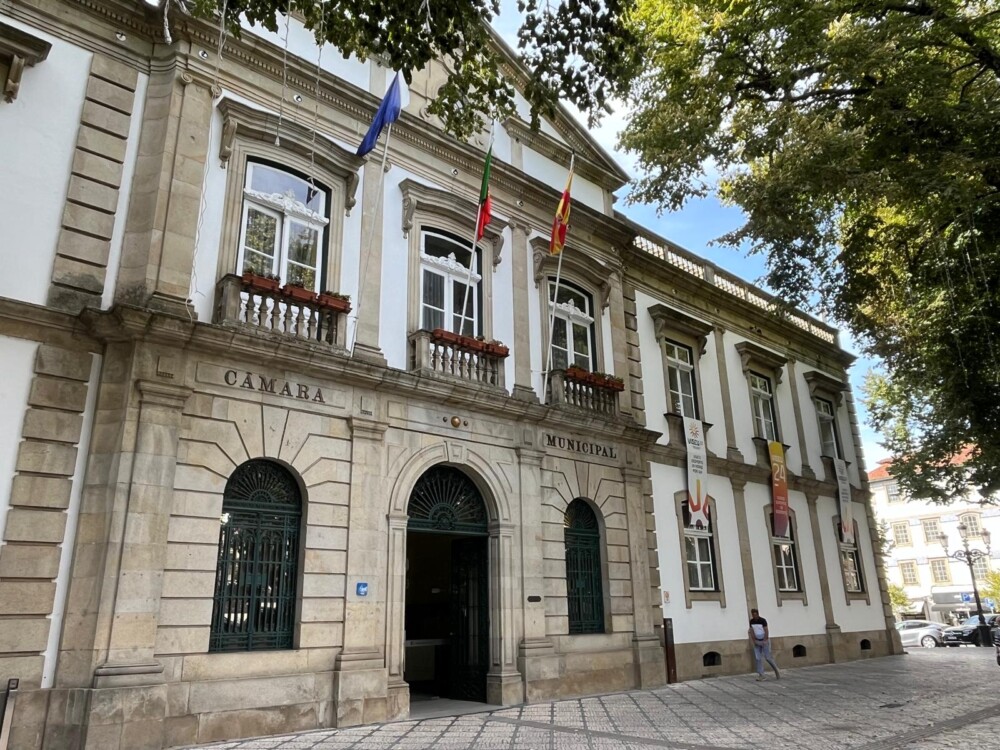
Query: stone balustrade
[[465, 359], [567, 390], [278, 312]]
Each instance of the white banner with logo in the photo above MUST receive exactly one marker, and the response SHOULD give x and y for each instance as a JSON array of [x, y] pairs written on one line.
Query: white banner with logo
[[844, 501], [697, 470]]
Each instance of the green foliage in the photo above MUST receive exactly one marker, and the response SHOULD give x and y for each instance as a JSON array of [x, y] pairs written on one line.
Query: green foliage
[[580, 51], [861, 142], [898, 599], [883, 537], [990, 588]]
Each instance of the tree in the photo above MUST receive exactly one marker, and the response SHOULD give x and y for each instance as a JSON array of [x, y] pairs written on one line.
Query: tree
[[898, 599], [579, 51], [990, 588], [861, 140]]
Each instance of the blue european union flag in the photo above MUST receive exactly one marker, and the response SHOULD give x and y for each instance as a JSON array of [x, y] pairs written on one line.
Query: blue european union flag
[[388, 111]]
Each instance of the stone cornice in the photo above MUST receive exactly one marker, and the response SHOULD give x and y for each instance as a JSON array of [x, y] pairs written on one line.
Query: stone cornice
[[821, 384], [753, 356], [595, 271], [667, 319], [37, 323], [20, 50], [128, 323]]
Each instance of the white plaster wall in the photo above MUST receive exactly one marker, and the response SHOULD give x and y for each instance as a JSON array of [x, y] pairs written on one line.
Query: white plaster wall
[[18, 357], [537, 321], [787, 429], [502, 304], [858, 615], [555, 175], [40, 129], [302, 44], [524, 112], [704, 621], [125, 191], [740, 392], [395, 269]]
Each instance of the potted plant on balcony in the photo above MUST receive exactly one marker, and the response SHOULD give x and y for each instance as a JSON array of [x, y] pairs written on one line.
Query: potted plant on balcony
[[334, 301], [497, 349], [261, 282], [578, 374], [298, 293], [610, 382], [444, 336]]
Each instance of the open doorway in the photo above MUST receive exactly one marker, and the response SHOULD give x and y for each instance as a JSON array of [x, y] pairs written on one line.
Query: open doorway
[[447, 589]]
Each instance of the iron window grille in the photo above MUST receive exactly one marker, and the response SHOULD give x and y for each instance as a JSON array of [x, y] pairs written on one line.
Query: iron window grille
[[257, 573], [446, 500], [584, 581]]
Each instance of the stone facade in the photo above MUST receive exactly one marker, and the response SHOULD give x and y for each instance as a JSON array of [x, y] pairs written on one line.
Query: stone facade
[[158, 372]]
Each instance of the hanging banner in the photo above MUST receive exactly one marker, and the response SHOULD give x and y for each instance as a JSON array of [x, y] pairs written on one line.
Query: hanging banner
[[844, 501], [779, 488], [697, 469]]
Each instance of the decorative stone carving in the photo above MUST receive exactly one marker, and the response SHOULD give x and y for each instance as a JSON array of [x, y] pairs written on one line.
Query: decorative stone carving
[[825, 386], [18, 50], [443, 202], [449, 265], [753, 356], [666, 319], [287, 204], [594, 272], [258, 125]]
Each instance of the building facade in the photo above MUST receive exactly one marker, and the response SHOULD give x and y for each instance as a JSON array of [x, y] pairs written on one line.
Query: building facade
[[279, 450], [940, 589]]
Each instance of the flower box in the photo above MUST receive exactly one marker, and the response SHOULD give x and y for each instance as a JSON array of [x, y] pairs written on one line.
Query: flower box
[[298, 293], [442, 336], [595, 379], [261, 283], [497, 349], [336, 302]]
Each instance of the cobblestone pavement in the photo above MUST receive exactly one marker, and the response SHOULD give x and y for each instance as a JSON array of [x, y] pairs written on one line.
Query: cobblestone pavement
[[925, 700]]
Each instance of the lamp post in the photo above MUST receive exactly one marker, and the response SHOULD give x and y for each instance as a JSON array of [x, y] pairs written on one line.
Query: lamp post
[[969, 557]]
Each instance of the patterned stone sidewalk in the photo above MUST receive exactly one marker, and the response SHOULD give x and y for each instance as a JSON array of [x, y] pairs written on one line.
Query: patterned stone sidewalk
[[926, 700]]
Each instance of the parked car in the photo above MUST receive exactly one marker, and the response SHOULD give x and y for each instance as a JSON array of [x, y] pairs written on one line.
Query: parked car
[[921, 633], [995, 636], [967, 631]]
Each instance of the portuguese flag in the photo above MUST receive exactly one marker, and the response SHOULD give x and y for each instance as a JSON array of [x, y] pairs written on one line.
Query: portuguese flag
[[485, 201]]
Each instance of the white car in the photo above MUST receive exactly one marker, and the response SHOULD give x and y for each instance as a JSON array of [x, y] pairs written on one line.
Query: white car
[[921, 633]]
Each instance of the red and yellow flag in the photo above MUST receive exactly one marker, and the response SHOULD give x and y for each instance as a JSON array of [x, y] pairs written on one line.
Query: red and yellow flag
[[561, 223]]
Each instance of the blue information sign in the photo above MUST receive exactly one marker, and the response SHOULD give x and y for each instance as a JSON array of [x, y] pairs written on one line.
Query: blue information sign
[[362, 588]]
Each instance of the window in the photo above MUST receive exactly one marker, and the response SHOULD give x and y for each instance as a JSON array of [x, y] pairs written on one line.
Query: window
[[680, 379], [572, 328], [892, 490], [698, 554], [980, 568], [932, 530], [257, 573], [584, 576], [762, 403], [827, 416], [850, 562], [445, 284], [901, 533], [940, 573], [972, 524], [909, 573], [785, 558], [284, 220]]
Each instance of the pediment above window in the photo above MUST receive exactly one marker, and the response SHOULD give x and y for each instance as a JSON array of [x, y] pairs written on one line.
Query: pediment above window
[[239, 120], [595, 273], [822, 385], [756, 357], [18, 50], [667, 320], [428, 200]]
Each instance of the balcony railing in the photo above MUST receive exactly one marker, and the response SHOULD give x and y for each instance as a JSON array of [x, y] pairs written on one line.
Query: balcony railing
[[288, 312], [458, 357], [584, 391]]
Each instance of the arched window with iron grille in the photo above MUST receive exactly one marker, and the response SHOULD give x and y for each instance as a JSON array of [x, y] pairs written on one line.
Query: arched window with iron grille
[[257, 575], [584, 580]]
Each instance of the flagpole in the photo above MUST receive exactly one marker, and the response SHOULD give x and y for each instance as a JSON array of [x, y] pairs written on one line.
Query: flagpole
[[552, 305], [376, 214], [472, 258]]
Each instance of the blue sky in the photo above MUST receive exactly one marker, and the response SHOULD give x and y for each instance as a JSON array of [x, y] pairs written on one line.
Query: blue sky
[[695, 227]]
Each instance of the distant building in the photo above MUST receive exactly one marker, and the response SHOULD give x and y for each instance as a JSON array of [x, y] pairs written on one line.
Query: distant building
[[940, 589]]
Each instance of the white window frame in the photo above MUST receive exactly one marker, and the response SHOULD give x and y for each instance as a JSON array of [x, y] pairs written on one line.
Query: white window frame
[[286, 210], [826, 415], [935, 578], [892, 492], [933, 538], [568, 315], [909, 565], [453, 272], [980, 568], [901, 534], [785, 565], [682, 372], [765, 417], [973, 523]]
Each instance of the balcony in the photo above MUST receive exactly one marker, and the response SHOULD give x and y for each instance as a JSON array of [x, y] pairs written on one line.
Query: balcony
[[585, 390], [259, 304], [461, 357]]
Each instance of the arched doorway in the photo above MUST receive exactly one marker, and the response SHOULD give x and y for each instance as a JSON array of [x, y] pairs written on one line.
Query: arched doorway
[[447, 588]]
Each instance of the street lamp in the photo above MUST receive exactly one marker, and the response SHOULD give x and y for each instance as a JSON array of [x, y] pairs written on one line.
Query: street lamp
[[969, 557]]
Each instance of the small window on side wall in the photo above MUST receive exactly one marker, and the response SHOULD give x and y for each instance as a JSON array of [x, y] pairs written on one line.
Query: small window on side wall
[[829, 439], [850, 560], [699, 553], [681, 379], [762, 402], [785, 557], [283, 226]]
